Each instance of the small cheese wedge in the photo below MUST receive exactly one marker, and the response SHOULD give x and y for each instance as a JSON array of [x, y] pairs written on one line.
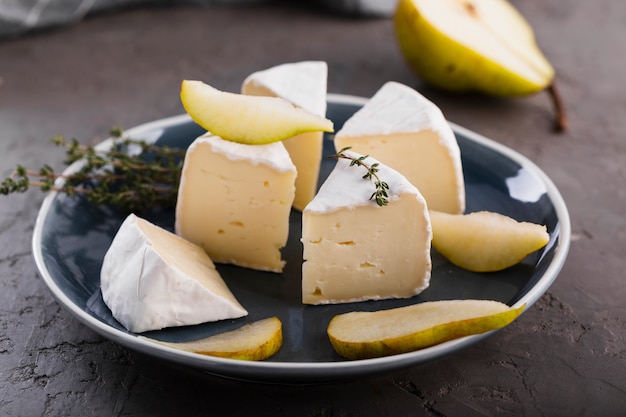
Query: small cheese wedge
[[152, 279], [356, 250], [404, 130], [303, 84], [234, 200]]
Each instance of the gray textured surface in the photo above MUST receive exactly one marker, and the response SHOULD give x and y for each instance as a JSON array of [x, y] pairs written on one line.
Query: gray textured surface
[[19, 17], [564, 357]]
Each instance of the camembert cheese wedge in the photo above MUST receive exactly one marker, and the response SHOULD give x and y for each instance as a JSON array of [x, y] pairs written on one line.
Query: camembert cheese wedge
[[355, 250], [401, 128], [152, 279], [304, 84], [234, 201]]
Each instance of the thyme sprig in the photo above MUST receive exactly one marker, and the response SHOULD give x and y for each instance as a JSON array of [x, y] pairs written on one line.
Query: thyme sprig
[[132, 175], [380, 194]]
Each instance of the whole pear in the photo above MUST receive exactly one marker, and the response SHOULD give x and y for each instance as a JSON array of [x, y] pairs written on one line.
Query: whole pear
[[482, 46]]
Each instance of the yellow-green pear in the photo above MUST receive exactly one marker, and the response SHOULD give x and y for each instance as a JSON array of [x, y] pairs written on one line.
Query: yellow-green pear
[[247, 119], [365, 334], [485, 241], [482, 46], [253, 341]]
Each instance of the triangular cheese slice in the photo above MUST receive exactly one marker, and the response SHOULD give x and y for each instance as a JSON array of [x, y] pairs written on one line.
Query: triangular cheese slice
[[304, 84], [356, 250], [406, 131], [234, 201], [152, 279]]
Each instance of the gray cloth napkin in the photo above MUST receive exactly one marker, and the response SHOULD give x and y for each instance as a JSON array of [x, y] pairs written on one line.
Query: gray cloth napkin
[[22, 16]]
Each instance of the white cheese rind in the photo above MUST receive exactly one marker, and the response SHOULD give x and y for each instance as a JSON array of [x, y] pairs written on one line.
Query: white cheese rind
[[355, 250], [234, 201], [152, 279], [406, 131], [271, 155], [304, 84], [345, 187]]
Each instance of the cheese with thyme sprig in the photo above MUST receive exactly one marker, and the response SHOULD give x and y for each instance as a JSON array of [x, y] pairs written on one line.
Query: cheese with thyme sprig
[[356, 249]]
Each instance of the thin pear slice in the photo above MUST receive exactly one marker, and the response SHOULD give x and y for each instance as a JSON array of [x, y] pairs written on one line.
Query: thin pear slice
[[247, 119], [363, 335], [485, 241], [254, 341]]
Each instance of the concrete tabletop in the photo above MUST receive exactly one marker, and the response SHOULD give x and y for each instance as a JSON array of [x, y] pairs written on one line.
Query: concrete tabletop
[[566, 356]]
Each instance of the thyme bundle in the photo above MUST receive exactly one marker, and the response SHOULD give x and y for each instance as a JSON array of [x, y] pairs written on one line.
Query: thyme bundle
[[131, 175]]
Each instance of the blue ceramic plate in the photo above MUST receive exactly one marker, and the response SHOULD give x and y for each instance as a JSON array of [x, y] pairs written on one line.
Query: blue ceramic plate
[[71, 237]]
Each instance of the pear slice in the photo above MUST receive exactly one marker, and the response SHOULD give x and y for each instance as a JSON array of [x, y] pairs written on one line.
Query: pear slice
[[474, 45], [247, 119], [254, 341], [485, 241], [362, 335]]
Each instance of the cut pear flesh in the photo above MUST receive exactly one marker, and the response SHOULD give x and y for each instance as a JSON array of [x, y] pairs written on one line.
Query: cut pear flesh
[[254, 341], [484, 45], [363, 335], [485, 241], [247, 119]]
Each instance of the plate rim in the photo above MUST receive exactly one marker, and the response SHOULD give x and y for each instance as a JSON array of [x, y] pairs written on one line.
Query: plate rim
[[306, 372]]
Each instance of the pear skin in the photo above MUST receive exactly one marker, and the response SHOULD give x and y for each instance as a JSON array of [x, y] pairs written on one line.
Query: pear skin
[[485, 241], [364, 335], [254, 341], [483, 46], [247, 119]]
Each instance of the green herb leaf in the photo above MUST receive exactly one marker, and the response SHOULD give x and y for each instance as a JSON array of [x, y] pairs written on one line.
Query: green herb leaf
[[132, 182], [380, 194]]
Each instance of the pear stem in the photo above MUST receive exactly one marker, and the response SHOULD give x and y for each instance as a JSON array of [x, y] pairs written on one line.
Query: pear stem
[[560, 122]]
